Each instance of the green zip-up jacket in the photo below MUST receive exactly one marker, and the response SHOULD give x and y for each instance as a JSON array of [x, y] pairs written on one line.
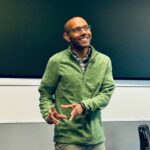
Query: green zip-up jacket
[[64, 82]]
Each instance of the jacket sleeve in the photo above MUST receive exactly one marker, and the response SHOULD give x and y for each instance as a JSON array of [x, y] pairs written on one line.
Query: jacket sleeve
[[47, 88], [102, 94]]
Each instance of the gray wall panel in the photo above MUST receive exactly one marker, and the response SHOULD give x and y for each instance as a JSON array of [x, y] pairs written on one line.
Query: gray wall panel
[[39, 136]]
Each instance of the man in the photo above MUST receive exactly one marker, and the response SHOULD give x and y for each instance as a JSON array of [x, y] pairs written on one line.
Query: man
[[76, 85]]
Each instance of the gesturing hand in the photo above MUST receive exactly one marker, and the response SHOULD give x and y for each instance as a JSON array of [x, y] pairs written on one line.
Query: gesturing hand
[[54, 116], [76, 110]]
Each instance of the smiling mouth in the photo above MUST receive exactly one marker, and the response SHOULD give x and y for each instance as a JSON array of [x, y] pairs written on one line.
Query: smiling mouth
[[84, 39]]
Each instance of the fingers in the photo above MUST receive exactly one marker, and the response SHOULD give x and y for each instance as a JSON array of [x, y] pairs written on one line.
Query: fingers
[[61, 116], [53, 119], [54, 116], [68, 106], [72, 106], [73, 114], [72, 117], [76, 110]]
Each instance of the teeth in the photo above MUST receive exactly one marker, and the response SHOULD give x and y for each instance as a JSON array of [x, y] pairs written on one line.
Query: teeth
[[84, 38]]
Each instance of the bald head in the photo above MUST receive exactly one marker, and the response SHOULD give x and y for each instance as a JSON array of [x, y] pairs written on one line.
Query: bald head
[[73, 22]]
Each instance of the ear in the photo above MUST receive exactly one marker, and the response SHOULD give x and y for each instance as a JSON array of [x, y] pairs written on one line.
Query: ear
[[66, 37]]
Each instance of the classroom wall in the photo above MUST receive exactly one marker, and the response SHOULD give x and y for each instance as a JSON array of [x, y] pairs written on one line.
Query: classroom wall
[[22, 127], [19, 101]]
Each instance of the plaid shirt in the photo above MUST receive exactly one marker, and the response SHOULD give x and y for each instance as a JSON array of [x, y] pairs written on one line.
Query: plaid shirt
[[82, 62]]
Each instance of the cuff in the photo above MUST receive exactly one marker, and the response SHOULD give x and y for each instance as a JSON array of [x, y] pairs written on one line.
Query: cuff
[[85, 109]]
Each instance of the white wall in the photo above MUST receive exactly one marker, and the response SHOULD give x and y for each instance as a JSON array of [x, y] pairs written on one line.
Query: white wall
[[130, 102], [19, 101]]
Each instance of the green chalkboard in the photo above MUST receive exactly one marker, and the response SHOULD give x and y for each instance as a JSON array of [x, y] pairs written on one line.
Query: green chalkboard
[[31, 31]]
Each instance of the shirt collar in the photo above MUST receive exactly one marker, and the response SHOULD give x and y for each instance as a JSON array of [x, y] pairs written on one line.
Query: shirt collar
[[86, 58]]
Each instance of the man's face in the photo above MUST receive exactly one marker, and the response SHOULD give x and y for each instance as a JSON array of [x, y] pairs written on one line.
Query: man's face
[[79, 33]]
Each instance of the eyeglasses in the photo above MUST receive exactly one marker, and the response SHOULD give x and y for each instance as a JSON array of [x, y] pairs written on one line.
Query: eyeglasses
[[79, 29]]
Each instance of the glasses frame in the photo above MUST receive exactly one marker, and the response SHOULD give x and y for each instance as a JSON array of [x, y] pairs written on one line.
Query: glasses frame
[[79, 29]]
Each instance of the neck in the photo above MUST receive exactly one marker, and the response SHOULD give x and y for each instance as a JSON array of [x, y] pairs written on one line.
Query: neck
[[81, 52]]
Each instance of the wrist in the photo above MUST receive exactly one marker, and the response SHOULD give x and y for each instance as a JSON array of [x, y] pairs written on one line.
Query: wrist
[[83, 107]]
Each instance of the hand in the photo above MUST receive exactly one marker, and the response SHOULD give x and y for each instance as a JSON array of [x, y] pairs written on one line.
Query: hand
[[54, 116], [76, 110]]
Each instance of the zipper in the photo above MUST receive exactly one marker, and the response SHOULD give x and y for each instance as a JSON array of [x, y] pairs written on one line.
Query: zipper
[[84, 76]]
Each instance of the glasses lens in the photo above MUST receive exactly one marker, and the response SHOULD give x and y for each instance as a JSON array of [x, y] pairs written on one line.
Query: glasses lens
[[77, 29], [86, 27]]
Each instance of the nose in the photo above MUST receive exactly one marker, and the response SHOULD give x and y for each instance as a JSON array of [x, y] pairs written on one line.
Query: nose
[[83, 30]]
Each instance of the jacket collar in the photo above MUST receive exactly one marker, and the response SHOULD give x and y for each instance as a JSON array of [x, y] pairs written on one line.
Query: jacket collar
[[93, 52]]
